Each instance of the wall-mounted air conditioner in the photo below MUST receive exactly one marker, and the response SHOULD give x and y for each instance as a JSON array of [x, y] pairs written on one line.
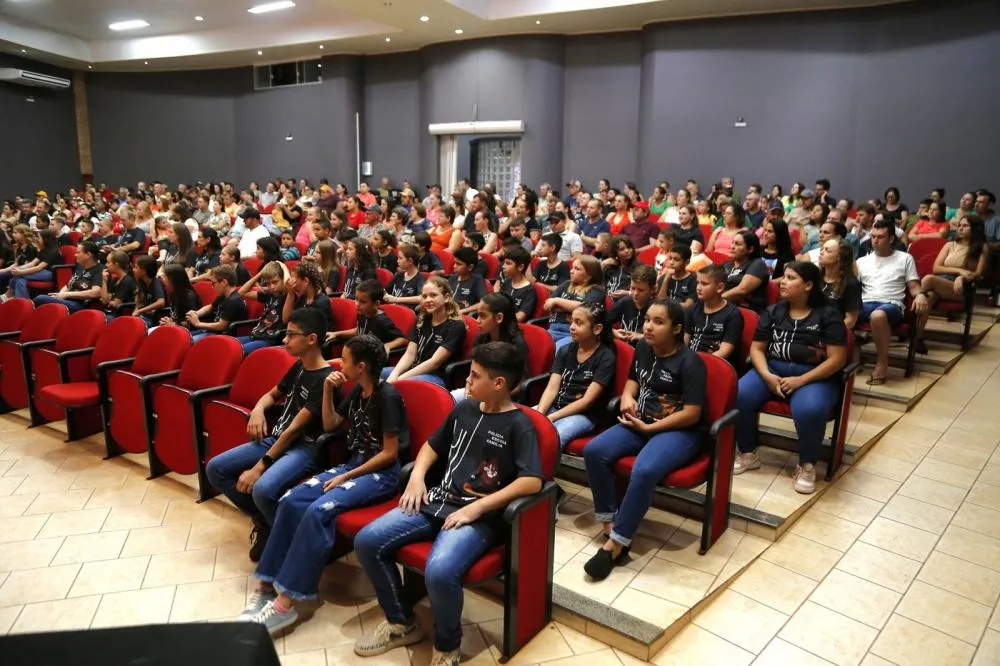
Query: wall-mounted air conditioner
[[478, 127], [25, 78]]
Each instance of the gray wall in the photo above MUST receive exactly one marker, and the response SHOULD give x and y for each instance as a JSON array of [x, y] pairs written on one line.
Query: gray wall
[[38, 146]]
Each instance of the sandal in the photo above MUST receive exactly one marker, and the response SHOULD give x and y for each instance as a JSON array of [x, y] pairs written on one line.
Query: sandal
[[875, 381]]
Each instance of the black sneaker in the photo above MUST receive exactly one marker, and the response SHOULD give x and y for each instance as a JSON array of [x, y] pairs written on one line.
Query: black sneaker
[[258, 540], [921, 347], [600, 565]]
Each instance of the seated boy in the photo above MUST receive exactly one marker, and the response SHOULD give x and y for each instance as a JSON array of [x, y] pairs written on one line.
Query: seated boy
[[270, 328], [515, 283], [256, 474], [371, 319], [289, 252], [551, 271], [475, 240], [408, 280], [467, 285], [84, 287], [630, 312], [490, 451], [677, 284], [713, 324], [602, 249], [428, 261], [227, 307], [518, 230]]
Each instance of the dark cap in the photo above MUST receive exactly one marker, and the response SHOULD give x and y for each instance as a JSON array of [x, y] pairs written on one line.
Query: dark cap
[[808, 194], [374, 208], [775, 205], [250, 212]]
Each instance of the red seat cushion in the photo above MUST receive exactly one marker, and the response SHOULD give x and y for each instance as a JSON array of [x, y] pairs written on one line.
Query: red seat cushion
[[486, 567], [576, 446], [688, 476], [782, 408], [77, 394], [350, 522], [41, 284], [950, 306]]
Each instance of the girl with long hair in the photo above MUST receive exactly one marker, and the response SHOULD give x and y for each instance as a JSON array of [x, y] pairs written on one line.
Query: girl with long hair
[[181, 296], [619, 266], [305, 288], [585, 285], [732, 223], [180, 251], [360, 265], [329, 266], [24, 248], [209, 248], [117, 285], [746, 274], [437, 339], [150, 297], [384, 245], [776, 247], [841, 288], [497, 318], [39, 267]]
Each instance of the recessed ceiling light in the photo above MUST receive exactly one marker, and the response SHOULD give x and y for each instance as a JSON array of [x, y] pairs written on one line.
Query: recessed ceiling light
[[458, 31], [24, 50], [260, 53], [145, 62], [320, 65], [320, 47], [388, 39], [538, 22], [425, 19], [90, 67], [199, 18], [133, 24], [271, 7]]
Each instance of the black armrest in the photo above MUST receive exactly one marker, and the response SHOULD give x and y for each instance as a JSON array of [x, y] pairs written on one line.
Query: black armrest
[[64, 357], [244, 322], [37, 343], [195, 396], [614, 405], [522, 504], [6, 335], [404, 474], [849, 370], [528, 384], [542, 322], [158, 376], [725, 421], [107, 366], [452, 369]]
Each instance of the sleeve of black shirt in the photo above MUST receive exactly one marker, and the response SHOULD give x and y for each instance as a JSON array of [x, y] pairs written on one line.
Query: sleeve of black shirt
[[387, 329], [763, 332], [833, 330], [344, 407], [562, 357], [732, 327], [232, 309], [595, 296], [604, 368], [477, 290], [124, 289], [454, 336], [562, 273], [393, 410], [314, 397], [333, 280], [528, 303], [288, 381], [695, 378], [851, 296], [158, 291], [758, 269], [527, 460], [139, 236]]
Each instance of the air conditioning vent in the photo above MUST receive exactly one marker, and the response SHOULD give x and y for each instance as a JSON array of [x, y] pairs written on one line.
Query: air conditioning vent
[[25, 78], [280, 75]]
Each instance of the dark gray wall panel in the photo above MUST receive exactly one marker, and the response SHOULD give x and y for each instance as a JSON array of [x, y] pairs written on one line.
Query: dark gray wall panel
[[391, 121]]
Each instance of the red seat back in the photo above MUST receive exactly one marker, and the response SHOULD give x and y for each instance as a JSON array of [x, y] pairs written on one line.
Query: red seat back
[[492, 265], [255, 309], [923, 246], [13, 313], [750, 319], [259, 373], [706, 231], [796, 236], [471, 331], [623, 363], [43, 322], [720, 390], [925, 263], [718, 257], [291, 264], [773, 291], [164, 349], [253, 265], [120, 339], [80, 330], [541, 349], [447, 260], [343, 314], [548, 441], [403, 317], [648, 256], [212, 361], [541, 295], [383, 276], [62, 273], [427, 407], [205, 291]]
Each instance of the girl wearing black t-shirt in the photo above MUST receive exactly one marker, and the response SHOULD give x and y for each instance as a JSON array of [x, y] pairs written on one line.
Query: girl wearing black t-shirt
[[117, 285], [384, 244], [39, 267], [24, 248], [150, 297], [776, 247], [360, 265], [618, 269], [302, 537], [582, 372], [660, 413], [304, 289], [799, 347], [181, 297], [209, 246], [747, 274], [841, 288], [585, 285], [181, 248], [498, 323], [328, 264]]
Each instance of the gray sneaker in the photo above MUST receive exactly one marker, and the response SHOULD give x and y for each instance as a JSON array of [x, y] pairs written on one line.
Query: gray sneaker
[[387, 636], [446, 658], [745, 462], [258, 600], [805, 479], [274, 620]]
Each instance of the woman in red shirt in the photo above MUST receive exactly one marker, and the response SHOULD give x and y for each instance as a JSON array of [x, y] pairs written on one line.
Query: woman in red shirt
[[933, 226], [355, 212], [621, 215]]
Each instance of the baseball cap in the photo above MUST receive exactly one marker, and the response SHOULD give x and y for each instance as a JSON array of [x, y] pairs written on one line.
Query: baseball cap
[[374, 208], [775, 205], [573, 183], [642, 204], [324, 188], [407, 193], [808, 194], [42, 193]]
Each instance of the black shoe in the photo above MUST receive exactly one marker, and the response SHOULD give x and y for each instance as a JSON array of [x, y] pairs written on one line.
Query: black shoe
[[601, 564], [258, 540], [921, 347]]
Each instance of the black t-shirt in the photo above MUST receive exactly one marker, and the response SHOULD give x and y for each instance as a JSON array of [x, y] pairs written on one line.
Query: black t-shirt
[[709, 330], [104, 243], [303, 389], [6, 255], [133, 235], [355, 277], [525, 299], [576, 377], [51, 257], [242, 274], [683, 289], [619, 278], [667, 384], [684, 236], [173, 257], [531, 224], [86, 278], [483, 454], [775, 263], [552, 277], [847, 298], [389, 262], [429, 263], [147, 294], [179, 307], [593, 296], [229, 308], [121, 289], [372, 418], [400, 287], [469, 292], [205, 262], [270, 327], [25, 254], [757, 300], [333, 280], [449, 334], [321, 304], [628, 314], [800, 340], [381, 326]]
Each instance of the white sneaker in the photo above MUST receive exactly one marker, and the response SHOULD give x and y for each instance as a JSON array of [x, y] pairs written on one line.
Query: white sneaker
[[745, 462], [386, 637], [446, 658], [805, 479]]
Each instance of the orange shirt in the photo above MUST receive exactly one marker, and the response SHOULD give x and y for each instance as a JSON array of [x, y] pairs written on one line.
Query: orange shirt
[[441, 239], [618, 222]]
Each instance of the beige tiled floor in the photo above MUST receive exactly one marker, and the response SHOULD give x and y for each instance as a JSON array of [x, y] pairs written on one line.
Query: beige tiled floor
[[898, 563]]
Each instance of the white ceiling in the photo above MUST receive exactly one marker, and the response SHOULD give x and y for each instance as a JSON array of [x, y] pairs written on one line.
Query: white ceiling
[[75, 33]]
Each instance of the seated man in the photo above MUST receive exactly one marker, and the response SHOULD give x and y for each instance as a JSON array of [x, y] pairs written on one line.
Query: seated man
[[885, 276], [84, 287], [491, 456], [227, 307], [256, 474]]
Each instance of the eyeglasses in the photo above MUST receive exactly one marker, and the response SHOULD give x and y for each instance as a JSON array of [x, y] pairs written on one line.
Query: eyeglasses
[[292, 334]]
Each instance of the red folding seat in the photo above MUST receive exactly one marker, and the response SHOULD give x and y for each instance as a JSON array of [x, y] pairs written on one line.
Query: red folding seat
[[925, 266], [719, 258], [457, 371], [540, 317], [343, 314], [624, 353], [292, 263], [205, 291], [648, 256], [447, 260], [405, 320], [82, 398], [541, 354], [12, 315], [58, 363], [773, 291], [383, 276], [38, 329], [225, 418], [253, 265], [128, 414], [178, 404], [492, 266], [750, 320]]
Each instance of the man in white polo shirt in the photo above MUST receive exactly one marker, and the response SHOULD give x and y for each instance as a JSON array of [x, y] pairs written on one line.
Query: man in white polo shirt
[[254, 231]]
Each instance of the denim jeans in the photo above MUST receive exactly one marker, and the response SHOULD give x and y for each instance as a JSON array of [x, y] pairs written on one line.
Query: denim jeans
[[560, 333], [303, 533], [811, 405], [19, 283], [453, 552], [433, 379], [571, 427], [252, 345], [656, 457], [262, 502], [71, 305]]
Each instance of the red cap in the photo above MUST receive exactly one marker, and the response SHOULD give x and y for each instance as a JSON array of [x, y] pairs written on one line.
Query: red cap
[[642, 204]]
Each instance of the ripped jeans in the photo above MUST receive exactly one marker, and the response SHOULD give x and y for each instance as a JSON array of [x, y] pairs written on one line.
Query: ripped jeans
[[303, 533]]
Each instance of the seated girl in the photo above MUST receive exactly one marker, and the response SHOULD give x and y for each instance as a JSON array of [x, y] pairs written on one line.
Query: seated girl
[[181, 297], [618, 268], [799, 347], [150, 297], [746, 273], [325, 257], [660, 414], [360, 264], [38, 260], [304, 289], [209, 248], [841, 288], [776, 247], [371, 320], [302, 536], [437, 339], [497, 323], [270, 292], [582, 373], [117, 285], [585, 285]]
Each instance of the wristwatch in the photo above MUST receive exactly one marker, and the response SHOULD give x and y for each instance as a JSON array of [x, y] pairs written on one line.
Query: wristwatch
[[267, 460]]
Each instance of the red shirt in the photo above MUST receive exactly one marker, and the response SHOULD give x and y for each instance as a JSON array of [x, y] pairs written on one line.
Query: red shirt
[[356, 219]]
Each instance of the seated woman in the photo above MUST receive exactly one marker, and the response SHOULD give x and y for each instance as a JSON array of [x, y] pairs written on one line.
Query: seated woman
[[117, 284], [209, 248], [181, 297], [437, 339], [722, 238], [24, 250], [270, 292], [38, 260], [585, 285], [934, 225], [841, 288], [746, 274], [958, 264], [497, 323], [302, 537], [799, 347], [581, 375], [180, 249], [660, 414], [776, 247]]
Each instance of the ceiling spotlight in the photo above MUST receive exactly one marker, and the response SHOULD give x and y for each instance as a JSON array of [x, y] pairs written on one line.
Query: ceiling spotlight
[[90, 67], [24, 50], [260, 53], [320, 47], [458, 31], [145, 62], [133, 24], [199, 18], [320, 65], [271, 7], [388, 39], [425, 19], [538, 22]]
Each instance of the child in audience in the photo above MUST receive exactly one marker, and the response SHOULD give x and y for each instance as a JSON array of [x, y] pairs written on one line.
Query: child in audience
[[304, 289], [659, 424], [325, 258], [618, 269], [227, 307], [303, 534], [585, 285], [602, 247], [289, 252], [799, 347], [551, 271], [106, 236], [117, 284], [714, 325], [437, 339], [384, 244], [518, 230], [256, 474], [516, 284], [407, 284], [181, 297], [230, 256], [497, 323], [630, 312], [270, 292], [26, 244], [466, 284], [368, 298], [322, 230], [428, 261], [150, 297], [841, 288], [208, 249], [84, 287], [461, 514], [581, 375], [678, 284], [360, 264], [664, 242]]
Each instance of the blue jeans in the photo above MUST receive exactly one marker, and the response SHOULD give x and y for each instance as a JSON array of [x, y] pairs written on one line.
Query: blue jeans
[[252, 345], [571, 427], [892, 312], [261, 504], [453, 552], [433, 379], [560, 333], [656, 457], [810, 405], [19, 283], [303, 535], [71, 305]]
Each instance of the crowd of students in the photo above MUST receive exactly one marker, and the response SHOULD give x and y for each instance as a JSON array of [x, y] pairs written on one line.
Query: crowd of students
[[595, 268]]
